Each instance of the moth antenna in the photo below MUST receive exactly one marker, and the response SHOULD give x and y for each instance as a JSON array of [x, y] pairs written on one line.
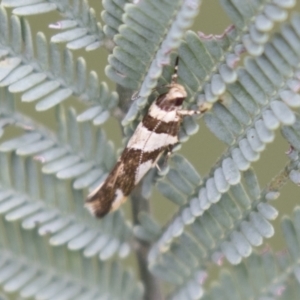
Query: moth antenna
[[175, 74]]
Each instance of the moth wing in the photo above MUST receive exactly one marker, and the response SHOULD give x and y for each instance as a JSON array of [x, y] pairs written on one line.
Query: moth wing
[[114, 175], [106, 197], [139, 138], [149, 141], [143, 168], [111, 180]]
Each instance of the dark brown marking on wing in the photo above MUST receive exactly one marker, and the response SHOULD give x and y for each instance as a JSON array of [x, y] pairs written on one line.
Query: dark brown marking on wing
[[102, 200], [158, 126], [163, 104], [168, 104], [132, 157]]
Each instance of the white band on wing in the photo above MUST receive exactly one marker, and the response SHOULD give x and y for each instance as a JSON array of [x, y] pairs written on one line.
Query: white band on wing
[[161, 115], [148, 141]]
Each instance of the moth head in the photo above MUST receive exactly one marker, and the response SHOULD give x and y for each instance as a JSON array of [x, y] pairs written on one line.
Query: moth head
[[174, 97]]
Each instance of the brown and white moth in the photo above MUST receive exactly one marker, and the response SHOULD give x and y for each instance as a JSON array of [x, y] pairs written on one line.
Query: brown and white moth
[[155, 134]]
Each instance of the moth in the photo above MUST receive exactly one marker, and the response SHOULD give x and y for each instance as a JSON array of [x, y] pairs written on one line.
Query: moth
[[156, 133]]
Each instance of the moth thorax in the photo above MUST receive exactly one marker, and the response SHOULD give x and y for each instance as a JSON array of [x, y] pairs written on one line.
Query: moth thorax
[[176, 91]]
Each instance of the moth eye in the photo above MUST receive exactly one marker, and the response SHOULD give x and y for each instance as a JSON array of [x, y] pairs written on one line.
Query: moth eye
[[179, 101]]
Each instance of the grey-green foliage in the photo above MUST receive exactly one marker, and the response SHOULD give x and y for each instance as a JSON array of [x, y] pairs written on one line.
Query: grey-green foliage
[[267, 275], [50, 247]]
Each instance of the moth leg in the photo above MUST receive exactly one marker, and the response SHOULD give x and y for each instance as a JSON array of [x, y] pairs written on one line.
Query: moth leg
[[169, 153], [158, 167], [184, 112]]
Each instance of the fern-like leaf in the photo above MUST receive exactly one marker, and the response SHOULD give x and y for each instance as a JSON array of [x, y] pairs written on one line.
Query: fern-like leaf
[[50, 85]]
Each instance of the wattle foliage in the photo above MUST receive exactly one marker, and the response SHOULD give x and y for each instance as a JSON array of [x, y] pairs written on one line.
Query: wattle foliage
[[50, 247]]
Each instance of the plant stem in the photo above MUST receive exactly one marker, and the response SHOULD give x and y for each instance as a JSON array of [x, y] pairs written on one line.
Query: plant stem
[[151, 283]]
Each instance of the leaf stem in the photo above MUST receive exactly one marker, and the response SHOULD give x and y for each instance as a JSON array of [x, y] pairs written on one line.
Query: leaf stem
[[151, 283]]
